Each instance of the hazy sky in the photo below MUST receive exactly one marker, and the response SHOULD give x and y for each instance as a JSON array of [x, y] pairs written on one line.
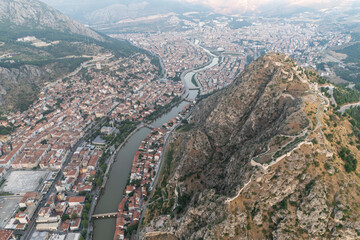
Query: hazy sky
[[220, 6], [240, 6]]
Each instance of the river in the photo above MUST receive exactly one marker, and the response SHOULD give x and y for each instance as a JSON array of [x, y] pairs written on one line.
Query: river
[[104, 229]]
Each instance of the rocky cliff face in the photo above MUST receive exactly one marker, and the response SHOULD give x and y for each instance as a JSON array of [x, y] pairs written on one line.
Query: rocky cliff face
[[35, 14], [24, 67], [255, 164], [19, 86]]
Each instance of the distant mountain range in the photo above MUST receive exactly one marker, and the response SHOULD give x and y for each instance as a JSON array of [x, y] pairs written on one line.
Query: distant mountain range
[[110, 11], [39, 44], [93, 12]]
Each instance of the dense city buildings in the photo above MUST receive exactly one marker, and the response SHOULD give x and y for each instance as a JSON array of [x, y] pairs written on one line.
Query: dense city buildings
[[145, 166], [51, 141], [54, 163], [300, 37]]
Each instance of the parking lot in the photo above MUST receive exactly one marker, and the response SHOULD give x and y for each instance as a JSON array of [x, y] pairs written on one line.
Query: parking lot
[[8, 205], [23, 181]]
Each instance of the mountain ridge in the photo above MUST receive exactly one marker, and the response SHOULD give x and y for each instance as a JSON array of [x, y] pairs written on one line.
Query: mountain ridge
[[36, 14], [55, 45], [261, 159]]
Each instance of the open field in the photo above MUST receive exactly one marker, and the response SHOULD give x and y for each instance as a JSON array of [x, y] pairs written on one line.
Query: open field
[[23, 181]]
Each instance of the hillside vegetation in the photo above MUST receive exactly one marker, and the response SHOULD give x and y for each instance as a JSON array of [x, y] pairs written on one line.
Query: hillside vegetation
[[63, 45], [266, 158]]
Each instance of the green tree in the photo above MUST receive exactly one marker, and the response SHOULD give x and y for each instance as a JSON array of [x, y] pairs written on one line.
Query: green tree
[[84, 232], [64, 217], [85, 223], [87, 206], [74, 216]]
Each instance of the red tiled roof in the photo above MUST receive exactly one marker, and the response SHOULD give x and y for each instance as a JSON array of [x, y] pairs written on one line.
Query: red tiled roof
[[76, 199], [5, 234]]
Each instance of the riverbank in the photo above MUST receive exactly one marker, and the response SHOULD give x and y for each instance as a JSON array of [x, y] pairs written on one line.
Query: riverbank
[[162, 110], [98, 192], [119, 174], [160, 169], [144, 173], [112, 158], [137, 157], [192, 72]]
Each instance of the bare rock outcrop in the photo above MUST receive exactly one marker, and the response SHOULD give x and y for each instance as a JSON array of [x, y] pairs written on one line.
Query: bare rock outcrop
[[254, 164]]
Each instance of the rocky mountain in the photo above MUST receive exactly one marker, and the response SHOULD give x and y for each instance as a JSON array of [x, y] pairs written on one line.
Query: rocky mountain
[[37, 15], [40, 44], [109, 11], [265, 158], [96, 13]]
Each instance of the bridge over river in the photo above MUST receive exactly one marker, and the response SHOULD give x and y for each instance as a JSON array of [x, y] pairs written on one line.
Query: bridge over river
[[107, 205], [105, 215]]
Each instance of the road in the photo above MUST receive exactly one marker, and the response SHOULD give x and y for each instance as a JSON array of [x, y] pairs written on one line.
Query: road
[[348, 106], [32, 224], [168, 135], [83, 65], [153, 184], [331, 92], [320, 110], [95, 195], [163, 70]]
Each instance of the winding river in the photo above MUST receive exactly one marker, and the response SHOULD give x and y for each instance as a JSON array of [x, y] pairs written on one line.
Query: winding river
[[108, 202]]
